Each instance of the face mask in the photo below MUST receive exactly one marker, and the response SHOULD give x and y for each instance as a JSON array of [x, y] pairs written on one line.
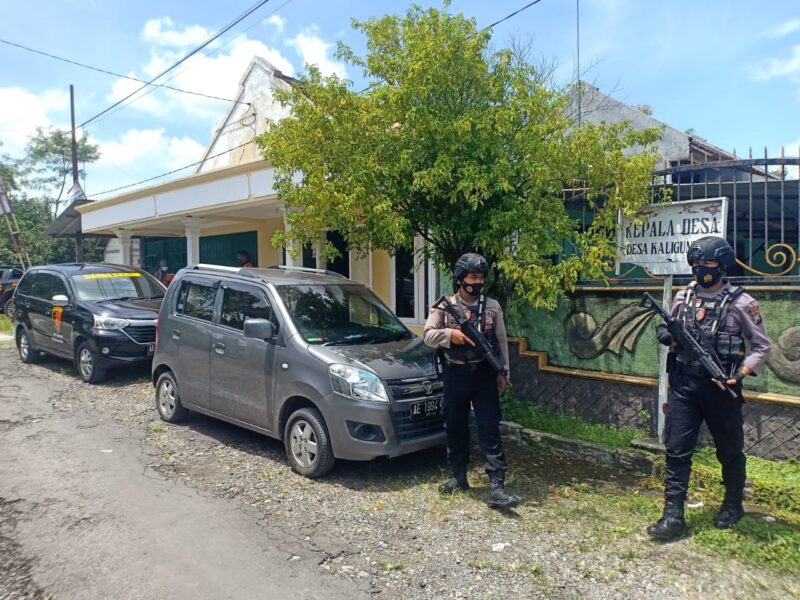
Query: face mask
[[473, 289], [707, 276], [164, 269]]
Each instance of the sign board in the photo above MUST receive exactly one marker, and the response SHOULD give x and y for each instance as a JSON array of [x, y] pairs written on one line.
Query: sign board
[[659, 236]]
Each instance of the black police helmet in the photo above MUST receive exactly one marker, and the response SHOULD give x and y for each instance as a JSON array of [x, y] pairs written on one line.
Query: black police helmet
[[470, 263], [712, 248]]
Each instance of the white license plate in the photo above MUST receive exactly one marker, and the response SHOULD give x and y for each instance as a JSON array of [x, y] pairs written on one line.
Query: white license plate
[[151, 349]]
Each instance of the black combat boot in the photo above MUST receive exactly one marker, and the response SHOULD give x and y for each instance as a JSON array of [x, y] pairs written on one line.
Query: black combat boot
[[731, 510], [672, 525], [457, 482], [498, 498]]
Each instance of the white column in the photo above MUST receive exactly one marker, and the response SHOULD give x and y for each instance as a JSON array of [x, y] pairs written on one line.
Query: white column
[[192, 245], [124, 236]]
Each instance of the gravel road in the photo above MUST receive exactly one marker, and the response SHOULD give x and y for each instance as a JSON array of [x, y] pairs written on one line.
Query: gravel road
[[382, 527]]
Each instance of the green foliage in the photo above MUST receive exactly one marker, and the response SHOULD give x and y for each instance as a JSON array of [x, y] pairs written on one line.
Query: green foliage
[[35, 185], [47, 166], [465, 147], [5, 324], [776, 485], [536, 417]]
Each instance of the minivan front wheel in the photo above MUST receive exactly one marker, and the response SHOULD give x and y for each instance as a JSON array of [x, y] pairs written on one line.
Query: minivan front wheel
[[9, 307], [27, 352], [87, 361], [168, 399], [307, 443]]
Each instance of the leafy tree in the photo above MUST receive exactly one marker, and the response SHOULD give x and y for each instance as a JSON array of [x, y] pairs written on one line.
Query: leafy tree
[[47, 166], [35, 213], [466, 147]]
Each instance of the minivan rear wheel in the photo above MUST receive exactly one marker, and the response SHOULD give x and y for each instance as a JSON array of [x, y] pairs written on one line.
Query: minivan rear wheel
[[87, 361], [27, 352], [168, 399], [307, 443]]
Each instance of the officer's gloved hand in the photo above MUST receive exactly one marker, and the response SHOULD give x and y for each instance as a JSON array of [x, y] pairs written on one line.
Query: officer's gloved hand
[[663, 335]]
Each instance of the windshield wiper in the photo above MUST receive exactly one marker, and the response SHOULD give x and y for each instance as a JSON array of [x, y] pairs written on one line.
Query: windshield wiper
[[351, 339]]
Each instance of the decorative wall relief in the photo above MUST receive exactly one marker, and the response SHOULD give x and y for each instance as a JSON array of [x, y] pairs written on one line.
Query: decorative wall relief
[[620, 331], [784, 359]]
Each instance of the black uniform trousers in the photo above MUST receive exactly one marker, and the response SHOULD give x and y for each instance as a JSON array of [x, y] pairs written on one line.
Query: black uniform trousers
[[475, 386], [694, 398]]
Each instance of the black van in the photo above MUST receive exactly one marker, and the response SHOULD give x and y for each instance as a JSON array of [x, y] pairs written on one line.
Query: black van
[[100, 316]]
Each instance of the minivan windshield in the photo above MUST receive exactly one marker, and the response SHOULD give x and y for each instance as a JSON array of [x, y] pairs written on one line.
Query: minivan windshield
[[334, 314], [100, 286]]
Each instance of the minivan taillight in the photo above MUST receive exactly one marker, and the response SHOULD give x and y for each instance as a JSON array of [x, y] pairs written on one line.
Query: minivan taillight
[[158, 325]]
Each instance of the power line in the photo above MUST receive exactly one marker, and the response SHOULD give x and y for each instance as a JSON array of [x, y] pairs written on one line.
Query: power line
[[211, 53], [222, 31], [509, 16], [99, 70], [194, 164]]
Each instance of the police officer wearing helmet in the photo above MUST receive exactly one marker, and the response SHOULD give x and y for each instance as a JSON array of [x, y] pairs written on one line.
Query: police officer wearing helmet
[[727, 316], [469, 381]]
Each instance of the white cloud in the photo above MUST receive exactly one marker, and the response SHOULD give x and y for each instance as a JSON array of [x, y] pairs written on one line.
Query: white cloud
[[314, 51], [139, 154], [780, 67], [217, 76], [23, 111], [150, 147], [164, 32], [277, 21], [781, 30]]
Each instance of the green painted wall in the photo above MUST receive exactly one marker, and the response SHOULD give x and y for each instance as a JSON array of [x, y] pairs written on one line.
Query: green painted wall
[[546, 331]]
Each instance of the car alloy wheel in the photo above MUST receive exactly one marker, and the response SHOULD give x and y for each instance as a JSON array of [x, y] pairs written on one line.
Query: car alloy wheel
[[166, 398], [303, 443], [86, 363]]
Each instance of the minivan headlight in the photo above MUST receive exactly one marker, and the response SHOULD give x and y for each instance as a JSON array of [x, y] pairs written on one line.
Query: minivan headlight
[[357, 384], [109, 323]]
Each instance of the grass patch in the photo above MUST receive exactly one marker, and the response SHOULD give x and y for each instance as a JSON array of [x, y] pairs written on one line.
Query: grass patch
[[536, 417], [157, 427], [772, 546], [5, 324]]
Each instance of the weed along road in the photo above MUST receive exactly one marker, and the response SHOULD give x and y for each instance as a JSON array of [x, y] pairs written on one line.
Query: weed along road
[[101, 499], [83, 516]]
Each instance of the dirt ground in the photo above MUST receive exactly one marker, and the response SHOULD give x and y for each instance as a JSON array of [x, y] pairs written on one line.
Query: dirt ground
[[378, 528]]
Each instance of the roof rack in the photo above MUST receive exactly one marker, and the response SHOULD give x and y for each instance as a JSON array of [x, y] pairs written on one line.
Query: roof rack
[[245, 271], [309, 270]]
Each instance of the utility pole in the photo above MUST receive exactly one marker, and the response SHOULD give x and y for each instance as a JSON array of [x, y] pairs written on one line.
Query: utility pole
[[79, 235]]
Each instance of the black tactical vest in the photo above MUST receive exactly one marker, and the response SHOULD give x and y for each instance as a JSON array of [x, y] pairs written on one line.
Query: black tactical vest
[[705, 318], [466, 353]]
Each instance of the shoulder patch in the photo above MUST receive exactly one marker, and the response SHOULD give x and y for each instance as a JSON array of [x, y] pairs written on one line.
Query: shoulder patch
[[755, 313]]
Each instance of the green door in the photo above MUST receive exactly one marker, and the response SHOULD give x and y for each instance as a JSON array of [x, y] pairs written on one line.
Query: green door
[[154, 249], [222, 249]]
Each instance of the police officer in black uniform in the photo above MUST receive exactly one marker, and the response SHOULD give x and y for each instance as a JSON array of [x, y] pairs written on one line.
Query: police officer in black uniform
[[726, 316], [469, 381]]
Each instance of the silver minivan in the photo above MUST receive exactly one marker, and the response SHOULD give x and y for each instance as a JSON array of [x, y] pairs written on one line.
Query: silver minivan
[[308, 357]]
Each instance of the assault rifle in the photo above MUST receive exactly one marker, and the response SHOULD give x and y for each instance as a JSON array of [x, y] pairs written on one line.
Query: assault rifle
[[469, 329], [689, 346]]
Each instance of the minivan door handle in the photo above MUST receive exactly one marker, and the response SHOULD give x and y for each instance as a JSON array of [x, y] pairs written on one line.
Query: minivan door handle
[[176, 334], [219, 348]]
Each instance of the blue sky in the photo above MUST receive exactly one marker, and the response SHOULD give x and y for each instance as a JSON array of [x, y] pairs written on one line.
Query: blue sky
[[729, 69]]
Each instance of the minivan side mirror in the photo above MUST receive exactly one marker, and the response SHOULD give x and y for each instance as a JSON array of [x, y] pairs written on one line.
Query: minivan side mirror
[[60, 300], [261, 329]]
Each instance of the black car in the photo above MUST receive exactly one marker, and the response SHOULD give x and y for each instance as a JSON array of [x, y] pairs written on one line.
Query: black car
[[9, 277], [100, 316]]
